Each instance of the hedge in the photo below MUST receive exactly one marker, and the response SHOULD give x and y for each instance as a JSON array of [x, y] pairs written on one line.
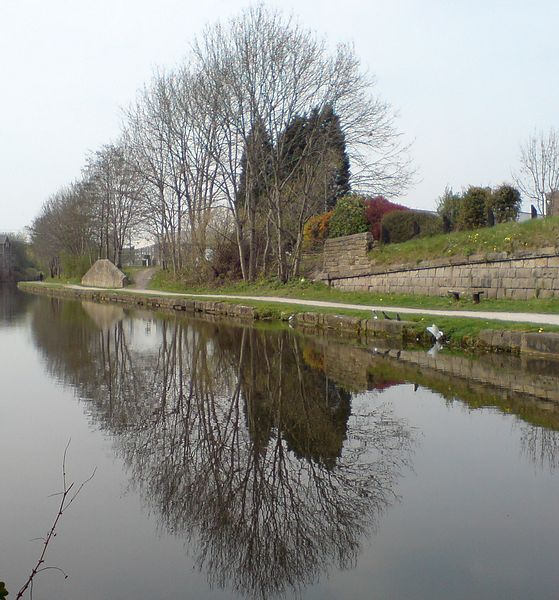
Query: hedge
[[401, 226]]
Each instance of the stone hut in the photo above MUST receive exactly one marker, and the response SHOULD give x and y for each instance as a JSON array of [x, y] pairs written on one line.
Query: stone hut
[[104, 274]]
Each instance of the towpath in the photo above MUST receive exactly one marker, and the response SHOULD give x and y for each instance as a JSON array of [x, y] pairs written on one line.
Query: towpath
[[517, 317]]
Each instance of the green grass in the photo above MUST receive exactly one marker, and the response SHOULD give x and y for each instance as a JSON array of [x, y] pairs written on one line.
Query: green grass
[[457, 329], [63, 280], [507, 237], [308, 290]]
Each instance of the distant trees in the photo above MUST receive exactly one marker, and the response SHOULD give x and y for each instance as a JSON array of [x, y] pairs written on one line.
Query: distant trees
[[91, 218], [114, 190], [538, 177], [63, 232], [262, 122]]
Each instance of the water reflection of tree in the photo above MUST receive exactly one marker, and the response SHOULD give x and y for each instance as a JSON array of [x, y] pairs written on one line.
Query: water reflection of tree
[[239, 446], [541, 446], [255, 467], [13, 304]]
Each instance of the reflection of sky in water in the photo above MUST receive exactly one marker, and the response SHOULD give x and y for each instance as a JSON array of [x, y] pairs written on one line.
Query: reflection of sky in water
[[143, 333], [476, 515]]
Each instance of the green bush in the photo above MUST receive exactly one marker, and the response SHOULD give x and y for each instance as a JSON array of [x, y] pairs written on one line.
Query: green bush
[[400, 227], [448, 208], [75, 265], [473, 208], [349, 217], [505, 203]]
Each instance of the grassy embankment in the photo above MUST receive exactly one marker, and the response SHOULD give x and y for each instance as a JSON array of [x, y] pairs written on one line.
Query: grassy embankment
[[507, 237], [456, 328]]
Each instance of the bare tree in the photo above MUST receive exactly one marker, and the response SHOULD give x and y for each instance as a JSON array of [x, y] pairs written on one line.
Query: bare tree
[[265, 69], [116, 192], [538, 177], [65, 228], [170, 131]]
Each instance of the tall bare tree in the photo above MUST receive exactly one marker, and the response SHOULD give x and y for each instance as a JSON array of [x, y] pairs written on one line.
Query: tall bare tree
[[263, 68], [538, 177], [116, 190]]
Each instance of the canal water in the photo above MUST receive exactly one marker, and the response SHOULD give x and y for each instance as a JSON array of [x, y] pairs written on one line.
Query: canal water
[[256, 462]]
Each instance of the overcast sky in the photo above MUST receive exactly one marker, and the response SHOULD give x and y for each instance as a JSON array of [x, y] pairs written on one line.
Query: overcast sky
[[471, 80]]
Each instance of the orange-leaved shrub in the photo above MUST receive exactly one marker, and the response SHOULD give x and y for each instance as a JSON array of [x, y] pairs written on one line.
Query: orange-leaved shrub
[[316, 230]]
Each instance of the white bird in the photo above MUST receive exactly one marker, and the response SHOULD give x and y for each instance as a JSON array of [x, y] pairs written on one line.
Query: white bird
[[375, 315], [435, 332], [435, 349]]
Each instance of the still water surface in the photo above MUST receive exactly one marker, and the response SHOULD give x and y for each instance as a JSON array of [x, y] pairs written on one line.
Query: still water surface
[[236, 462]]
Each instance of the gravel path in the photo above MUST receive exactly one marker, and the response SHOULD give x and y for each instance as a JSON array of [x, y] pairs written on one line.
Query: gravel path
[[142, 278], [537, 318]]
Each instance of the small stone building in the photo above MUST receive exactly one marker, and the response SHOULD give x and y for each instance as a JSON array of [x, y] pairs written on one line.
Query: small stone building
[[104, 274]]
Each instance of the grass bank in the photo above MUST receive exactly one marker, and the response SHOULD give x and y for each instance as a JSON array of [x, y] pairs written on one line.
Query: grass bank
[[308, 290], [506, 237]]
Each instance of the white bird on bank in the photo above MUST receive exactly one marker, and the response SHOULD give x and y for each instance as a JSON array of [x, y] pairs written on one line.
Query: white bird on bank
[[435, 332], [435, 349]]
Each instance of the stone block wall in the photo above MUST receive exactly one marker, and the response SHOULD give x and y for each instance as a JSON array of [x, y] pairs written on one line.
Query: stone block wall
[[530, 275], [347, 255]]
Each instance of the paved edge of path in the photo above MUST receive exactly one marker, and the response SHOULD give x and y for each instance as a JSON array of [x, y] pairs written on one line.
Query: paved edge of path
[[511, 317]]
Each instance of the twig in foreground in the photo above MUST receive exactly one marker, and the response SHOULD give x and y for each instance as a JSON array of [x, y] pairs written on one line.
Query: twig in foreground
[[68, 495]]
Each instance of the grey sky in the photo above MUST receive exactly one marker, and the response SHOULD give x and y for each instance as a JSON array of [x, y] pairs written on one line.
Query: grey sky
[[471, 80]]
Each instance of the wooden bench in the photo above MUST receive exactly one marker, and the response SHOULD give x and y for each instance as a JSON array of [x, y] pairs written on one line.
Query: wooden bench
[[476, 296]]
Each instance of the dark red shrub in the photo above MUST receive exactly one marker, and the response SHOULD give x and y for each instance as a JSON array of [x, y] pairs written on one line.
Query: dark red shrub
[[375, 209]]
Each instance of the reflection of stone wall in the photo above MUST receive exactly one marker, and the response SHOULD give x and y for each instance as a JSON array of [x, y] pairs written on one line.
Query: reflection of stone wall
[[499, 275], [506, 376]]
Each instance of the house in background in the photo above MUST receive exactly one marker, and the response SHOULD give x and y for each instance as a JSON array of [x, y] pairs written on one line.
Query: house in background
[[145, 256], [6, 257]]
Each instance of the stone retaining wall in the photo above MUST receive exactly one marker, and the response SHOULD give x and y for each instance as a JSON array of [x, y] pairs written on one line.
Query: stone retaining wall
[[347, 265], [147, 301], [347, 255]]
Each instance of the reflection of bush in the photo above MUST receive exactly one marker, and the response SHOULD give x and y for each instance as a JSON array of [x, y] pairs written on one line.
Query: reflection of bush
[[313, 357], [313, 418]]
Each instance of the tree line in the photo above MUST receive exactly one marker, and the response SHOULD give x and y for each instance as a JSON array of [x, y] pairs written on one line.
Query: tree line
[[222, 160]]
